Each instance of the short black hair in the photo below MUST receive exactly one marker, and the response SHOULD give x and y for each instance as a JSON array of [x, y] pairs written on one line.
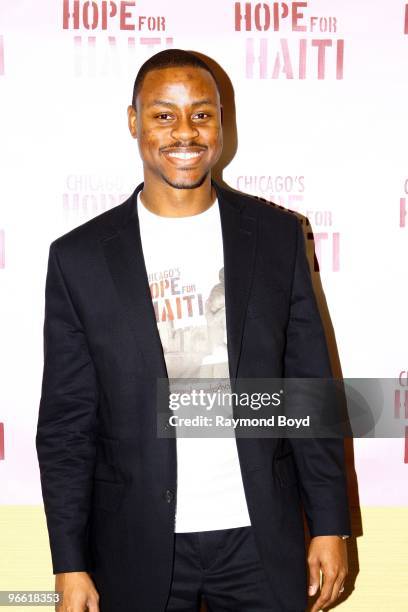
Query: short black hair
[[168, 58]]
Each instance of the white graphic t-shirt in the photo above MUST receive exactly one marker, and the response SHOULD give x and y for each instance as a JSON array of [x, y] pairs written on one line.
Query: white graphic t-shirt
[[185, 266]]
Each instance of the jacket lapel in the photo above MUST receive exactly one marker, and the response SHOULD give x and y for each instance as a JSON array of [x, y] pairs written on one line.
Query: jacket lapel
[[124, 255], [239, 241]]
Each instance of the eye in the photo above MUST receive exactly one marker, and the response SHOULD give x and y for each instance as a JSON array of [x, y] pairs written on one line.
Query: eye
[[201, 115], [163, 116]]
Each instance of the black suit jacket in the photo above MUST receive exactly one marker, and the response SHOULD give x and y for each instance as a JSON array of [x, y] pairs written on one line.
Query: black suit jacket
[[108, 481]]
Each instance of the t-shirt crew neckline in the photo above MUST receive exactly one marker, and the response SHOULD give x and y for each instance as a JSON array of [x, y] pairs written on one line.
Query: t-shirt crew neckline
[[148, 214]]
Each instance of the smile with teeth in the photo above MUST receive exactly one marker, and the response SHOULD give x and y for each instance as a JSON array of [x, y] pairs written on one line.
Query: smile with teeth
[[184, 154]]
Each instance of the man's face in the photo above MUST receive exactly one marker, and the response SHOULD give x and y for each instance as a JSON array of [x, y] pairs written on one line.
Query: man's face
[[178, 125]]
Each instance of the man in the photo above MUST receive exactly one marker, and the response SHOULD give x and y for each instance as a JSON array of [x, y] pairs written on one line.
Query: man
[[184, 279]]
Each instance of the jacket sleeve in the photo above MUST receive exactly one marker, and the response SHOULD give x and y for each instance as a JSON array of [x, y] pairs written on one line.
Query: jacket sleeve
[[65, 438], [320, 461]]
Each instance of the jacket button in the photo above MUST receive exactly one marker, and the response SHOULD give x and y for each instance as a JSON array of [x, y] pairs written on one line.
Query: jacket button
[[168, 496]]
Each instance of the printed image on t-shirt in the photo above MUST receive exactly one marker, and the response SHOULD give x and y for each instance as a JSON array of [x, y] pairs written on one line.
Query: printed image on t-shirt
[[192, 326]]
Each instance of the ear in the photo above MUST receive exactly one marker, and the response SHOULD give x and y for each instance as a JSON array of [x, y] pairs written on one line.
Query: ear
[[132, 120]]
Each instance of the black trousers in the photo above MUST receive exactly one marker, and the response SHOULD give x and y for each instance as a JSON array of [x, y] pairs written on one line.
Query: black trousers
[[224, 568]]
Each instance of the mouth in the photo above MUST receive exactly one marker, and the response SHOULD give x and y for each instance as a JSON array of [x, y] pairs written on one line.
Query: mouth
[[188, 156]]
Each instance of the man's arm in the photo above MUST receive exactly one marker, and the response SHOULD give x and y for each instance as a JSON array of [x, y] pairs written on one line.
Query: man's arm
[[66, 425], [320, 461]]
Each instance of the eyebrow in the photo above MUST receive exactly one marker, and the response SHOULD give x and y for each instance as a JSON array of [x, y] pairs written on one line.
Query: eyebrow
[[168, 103]]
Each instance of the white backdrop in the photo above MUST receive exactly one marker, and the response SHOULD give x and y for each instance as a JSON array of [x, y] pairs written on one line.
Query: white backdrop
[[321, 120]]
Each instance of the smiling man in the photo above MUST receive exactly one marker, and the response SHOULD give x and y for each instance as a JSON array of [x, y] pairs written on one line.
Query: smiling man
[[184, 279]]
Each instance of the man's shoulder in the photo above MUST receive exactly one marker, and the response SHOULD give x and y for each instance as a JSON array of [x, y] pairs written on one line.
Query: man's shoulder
[[97, 228], [266, 211]]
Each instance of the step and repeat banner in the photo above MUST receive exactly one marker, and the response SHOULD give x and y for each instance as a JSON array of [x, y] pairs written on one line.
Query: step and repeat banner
[[320, 127]]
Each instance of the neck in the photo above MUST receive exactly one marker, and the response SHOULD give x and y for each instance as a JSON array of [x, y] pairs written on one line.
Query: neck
[[166, 201]]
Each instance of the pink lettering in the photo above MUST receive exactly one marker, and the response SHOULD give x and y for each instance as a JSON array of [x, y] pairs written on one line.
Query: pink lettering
[[2, 249], [302, 58], [124, 15], [276, 17], [283, 15], [249, 58], [154, 290], [397, 404], [403, 211], [150, 41], [318, 237], [264, 22], [66, 15], [296, 16], [287, 66], [178, 308], [336, 252], [340, 59], [105, 15], [406, 446], [164, 285], [398, 396], [188, 299], [266, 16], [239, 16], [95, 15], [321, 56], [403, 376], [263, 58], [1, 55], [284, 58], [167, 312]]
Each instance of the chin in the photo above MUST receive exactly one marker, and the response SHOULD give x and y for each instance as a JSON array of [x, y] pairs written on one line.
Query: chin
[[185, 183]]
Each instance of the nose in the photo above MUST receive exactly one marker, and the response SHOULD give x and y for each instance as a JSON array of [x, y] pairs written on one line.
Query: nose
[[184, 129]]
